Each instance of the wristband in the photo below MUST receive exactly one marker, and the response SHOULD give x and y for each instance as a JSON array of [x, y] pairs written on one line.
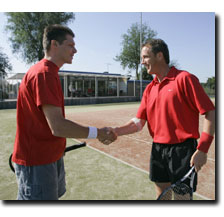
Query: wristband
[[137, 122], [92, 133], [205, 142]]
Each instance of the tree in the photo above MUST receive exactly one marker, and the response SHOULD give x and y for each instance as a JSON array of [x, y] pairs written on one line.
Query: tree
[[145, 74], [174, 63], [27, 31], [211, 83], [130, 54], [5, 65]]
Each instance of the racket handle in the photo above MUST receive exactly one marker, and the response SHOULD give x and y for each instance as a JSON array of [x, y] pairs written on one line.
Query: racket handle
[[10, 164], [83, 144], [66, 150]]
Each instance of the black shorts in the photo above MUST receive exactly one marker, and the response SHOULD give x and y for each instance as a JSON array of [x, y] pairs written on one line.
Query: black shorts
[[169, 163]]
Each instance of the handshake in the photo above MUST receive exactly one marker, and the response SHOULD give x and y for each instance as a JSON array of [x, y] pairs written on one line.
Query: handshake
[[107, 135]]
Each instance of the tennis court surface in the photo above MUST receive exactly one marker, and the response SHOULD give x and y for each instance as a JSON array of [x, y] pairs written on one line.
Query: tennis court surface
[[98, 172]]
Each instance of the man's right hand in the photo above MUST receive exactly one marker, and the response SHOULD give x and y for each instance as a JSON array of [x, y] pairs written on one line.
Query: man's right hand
[[106, 135]]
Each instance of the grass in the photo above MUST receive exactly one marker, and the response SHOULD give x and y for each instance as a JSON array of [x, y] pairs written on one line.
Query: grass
[[94, 176], [8, 186], [90, 175]]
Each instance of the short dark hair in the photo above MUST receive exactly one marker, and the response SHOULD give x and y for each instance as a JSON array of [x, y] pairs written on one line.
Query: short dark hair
[[158, 45], [55, 32]]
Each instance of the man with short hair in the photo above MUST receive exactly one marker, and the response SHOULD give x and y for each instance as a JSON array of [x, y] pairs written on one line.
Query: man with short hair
[[171, 105], [41, 125]]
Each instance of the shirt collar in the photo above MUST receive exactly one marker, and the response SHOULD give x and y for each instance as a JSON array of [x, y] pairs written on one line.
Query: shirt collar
[[170, 76]]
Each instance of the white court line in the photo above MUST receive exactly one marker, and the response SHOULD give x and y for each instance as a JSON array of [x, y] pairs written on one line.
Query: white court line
[[211, 159], [137, 168], [117, 159], [203, 197], [140, 140]]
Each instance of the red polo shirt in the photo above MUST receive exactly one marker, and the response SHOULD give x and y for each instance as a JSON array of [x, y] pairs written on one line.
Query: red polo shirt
[[172, 107], [34, 142]]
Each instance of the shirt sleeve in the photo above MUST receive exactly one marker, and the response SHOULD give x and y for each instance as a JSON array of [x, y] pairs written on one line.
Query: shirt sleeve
[[46, 89], [196, 95]]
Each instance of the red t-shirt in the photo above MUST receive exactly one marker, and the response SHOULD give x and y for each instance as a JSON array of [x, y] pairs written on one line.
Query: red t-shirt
[[34, 142], [172, 107]]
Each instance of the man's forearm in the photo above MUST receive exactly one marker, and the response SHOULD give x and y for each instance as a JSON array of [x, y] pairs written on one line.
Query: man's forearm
[[206, 137], [209, 123], [68, 129], [128, 128]]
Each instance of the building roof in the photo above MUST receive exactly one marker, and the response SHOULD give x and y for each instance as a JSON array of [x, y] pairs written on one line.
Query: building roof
[[138, 81], [92, 74], [19, 76]]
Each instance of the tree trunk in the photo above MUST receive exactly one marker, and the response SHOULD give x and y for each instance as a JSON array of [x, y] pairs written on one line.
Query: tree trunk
[[137, 75]]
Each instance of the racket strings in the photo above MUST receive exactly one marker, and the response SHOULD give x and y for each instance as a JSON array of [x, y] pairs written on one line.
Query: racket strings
[[182, 192], [178, 192], [181, 189], [168, 195]]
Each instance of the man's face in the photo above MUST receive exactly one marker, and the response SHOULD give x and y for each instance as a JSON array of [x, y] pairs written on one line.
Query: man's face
[[67, 49], [149, 60]]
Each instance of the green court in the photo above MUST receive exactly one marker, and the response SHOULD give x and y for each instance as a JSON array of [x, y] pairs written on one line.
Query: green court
[[90, 174]]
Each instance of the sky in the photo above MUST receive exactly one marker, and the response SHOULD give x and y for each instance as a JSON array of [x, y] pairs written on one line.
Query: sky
[[190, 37]]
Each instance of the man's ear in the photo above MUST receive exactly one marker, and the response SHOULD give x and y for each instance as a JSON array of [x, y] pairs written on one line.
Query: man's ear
[[160, 55], [54, 43]]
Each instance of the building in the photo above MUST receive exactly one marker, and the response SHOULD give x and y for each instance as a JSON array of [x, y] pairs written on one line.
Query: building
[[92, 84], [84, 88]]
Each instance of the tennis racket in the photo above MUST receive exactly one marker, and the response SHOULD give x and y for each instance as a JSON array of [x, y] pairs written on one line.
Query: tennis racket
[[180, 190], [73, 147], [67, 149]]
